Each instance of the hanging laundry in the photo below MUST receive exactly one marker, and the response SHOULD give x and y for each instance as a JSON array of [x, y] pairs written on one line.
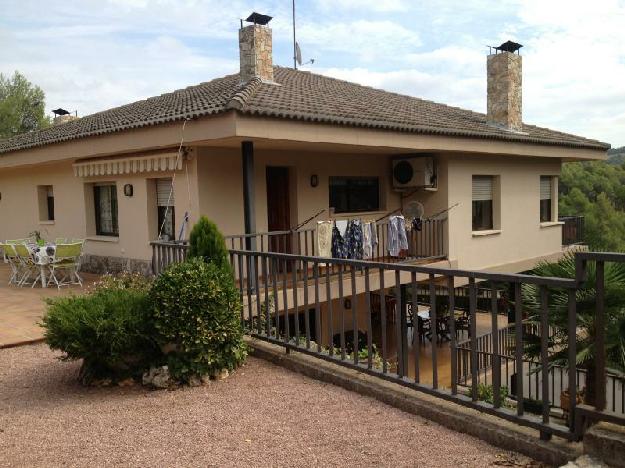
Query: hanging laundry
[[369, 239], [339, 246], [353, 239], [341, 225], [324, 239], [397, 240], [417, 224]]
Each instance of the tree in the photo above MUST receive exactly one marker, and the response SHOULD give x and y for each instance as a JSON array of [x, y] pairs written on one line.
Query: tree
[[586, 306], [21, 106], [206, 242]]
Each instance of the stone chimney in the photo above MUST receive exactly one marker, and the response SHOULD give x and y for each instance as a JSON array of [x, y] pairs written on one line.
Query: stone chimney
[[61, 119], [255, 49], [504, 102]]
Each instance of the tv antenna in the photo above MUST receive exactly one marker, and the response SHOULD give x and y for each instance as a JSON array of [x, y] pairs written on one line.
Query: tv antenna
[[297, 52]]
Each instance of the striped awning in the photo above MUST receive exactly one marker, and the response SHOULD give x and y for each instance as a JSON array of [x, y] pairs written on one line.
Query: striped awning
[[163, 162]]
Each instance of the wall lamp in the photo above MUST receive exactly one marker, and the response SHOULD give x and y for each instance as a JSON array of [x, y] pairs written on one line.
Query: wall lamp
[[128, 190], [314, 180]]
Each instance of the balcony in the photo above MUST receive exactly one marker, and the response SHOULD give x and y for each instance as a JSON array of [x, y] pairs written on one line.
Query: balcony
[[572, 230]]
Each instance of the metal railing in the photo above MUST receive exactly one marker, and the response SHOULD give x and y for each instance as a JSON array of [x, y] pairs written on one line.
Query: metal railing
[[429, 241], [572, 230], [165, 253], [332, 318]]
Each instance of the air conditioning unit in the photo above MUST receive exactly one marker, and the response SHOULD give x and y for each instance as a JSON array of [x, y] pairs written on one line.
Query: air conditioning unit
[[414, 172]]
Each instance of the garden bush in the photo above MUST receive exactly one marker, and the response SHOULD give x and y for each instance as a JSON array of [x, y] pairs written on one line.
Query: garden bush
[[109, 329], [195, 307], [206, 242]]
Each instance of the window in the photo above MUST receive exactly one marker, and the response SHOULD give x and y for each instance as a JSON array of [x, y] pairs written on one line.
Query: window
[[45, 194], [105, 204], [354, 194], [482, 203], [546, 212], [166, 212]]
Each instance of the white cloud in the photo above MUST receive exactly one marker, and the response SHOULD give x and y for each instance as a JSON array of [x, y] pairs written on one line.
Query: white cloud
[[101, 53]]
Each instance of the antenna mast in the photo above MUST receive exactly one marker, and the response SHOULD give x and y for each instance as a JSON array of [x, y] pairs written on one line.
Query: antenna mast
[[294, 42]]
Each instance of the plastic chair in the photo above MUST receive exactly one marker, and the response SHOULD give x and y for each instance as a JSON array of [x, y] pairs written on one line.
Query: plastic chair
[[27, 264], [66, 259], [11, 258]]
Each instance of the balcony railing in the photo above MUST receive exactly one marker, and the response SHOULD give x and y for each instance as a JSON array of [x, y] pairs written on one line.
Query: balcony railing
[[428, 243], [329, 318], [572, 230]]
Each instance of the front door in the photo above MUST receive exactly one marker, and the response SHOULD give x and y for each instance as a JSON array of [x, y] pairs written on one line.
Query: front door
[[278, 208]]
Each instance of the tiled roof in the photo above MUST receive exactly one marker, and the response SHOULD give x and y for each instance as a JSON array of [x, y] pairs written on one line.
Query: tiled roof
[[298, 96]]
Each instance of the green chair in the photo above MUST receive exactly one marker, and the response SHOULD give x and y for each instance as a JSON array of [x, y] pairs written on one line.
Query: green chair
[[12, 259], [66, 260], [28, 269]]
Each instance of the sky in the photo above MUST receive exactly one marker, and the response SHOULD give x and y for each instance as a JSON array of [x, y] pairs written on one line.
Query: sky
[[91, 55]]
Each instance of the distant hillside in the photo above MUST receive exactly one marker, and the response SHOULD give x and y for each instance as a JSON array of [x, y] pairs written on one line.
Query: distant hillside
[[616, 156]]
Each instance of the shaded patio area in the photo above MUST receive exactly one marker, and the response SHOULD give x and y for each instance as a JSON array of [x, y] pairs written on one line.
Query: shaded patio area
[[22, 308]]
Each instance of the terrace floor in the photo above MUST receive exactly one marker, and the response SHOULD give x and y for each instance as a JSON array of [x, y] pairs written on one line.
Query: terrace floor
[[262, 415], [22, 308]]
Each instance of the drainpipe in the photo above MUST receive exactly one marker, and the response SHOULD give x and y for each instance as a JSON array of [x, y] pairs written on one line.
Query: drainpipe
[[249, 209]]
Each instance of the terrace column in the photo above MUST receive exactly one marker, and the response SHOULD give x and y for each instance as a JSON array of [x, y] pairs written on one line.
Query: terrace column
[[249, 208]]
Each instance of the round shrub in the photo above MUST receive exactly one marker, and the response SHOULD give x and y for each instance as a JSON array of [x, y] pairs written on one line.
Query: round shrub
[[107, 328], [195, 307], [206, 242]]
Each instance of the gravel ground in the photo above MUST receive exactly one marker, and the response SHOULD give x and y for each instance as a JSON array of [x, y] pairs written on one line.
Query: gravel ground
[[262, 415]]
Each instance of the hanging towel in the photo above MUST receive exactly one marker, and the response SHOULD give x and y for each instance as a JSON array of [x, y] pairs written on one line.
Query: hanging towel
[[324, 239], [397, 240]]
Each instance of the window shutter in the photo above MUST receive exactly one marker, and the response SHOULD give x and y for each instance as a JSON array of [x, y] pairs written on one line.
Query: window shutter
[[545, 188], [163, 189], [482, 188]]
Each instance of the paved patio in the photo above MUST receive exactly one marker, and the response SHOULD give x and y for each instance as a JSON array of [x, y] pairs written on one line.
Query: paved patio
[[22, 308]]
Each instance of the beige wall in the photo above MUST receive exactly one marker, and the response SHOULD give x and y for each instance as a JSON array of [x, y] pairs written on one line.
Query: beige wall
[[74, 213], [221, 184], [521, 234], [212, 181]]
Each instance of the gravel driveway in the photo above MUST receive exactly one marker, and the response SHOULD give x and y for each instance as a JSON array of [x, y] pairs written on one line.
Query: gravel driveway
[[262, 415]]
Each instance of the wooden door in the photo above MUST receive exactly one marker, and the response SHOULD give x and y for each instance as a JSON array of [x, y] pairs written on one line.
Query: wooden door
[[278, 208]]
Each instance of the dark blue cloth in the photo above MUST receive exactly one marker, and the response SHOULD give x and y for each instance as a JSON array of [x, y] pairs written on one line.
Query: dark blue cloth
[[339, 246], [353, 239]]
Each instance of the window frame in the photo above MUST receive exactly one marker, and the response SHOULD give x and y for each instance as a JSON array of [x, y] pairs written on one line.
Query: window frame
[[546, 203], [114, 210], [350, 188], [485, 206], [161, 209]]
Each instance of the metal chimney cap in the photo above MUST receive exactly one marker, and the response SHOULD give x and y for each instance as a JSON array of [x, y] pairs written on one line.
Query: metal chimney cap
[[258, 18], [509, 46], [60, 111]]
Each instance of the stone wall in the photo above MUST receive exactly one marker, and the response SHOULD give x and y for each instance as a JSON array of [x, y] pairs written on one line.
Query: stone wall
[[504, 107], [101, 265], [255, 51]]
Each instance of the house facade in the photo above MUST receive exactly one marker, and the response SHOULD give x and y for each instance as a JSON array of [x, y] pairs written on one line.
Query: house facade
[[269, 148]]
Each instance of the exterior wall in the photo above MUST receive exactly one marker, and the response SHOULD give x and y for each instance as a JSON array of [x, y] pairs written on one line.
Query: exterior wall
[[211, 184], [221, 188], [75, 216], [520, 235]]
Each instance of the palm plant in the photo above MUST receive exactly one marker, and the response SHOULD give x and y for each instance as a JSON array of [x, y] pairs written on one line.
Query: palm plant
[[614, 274]]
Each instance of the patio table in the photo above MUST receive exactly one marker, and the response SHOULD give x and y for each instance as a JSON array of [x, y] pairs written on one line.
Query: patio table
[[42, 256]]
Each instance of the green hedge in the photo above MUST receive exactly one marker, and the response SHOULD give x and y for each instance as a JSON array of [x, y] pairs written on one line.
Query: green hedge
[[195, 307], [109, 329]]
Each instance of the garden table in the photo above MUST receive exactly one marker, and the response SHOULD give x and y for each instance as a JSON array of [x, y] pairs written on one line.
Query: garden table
[[42, 256]]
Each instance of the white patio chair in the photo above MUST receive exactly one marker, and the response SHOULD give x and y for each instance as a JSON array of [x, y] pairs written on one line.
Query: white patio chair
[[66, 260]]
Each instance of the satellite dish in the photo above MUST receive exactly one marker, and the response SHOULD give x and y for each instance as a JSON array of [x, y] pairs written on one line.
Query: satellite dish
[[413, 210], [298, 54]]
